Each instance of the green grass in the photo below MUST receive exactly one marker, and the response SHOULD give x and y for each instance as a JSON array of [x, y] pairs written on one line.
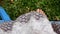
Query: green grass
[[18, 7]]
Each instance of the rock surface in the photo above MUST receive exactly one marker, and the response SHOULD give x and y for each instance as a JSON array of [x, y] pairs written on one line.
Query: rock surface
[[29, 23], [56, 26]]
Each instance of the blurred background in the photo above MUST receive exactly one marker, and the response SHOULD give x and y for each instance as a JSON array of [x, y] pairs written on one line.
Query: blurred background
[[15, 8]]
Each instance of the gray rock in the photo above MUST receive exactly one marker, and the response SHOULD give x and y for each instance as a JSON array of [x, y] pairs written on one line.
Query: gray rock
[[29, 23]]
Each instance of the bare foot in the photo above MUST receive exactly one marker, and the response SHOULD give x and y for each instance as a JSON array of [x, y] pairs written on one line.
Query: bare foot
[[40, 11]]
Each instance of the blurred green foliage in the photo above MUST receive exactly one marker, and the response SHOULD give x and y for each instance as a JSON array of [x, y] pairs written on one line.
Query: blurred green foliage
[[17, 7]]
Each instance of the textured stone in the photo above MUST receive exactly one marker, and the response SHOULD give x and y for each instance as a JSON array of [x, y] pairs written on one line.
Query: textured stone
[[29, 23]]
